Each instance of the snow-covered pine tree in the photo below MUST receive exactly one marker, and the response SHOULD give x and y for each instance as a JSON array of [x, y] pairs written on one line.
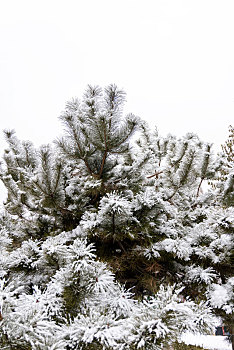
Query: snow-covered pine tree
[[207, 225], [139, 204], [35, 186], [221, 294], [207, 234]]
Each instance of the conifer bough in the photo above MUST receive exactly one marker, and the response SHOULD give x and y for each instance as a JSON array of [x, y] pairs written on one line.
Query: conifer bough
[[108, 240]]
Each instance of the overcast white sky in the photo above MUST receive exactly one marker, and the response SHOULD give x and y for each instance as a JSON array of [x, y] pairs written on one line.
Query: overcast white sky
[[174, 58]]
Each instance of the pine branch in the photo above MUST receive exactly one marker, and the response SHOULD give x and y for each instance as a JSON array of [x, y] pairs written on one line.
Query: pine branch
[[198, 190], [155, 174]]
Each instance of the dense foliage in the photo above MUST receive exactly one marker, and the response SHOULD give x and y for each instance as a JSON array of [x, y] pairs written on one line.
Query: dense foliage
[[107, 239]]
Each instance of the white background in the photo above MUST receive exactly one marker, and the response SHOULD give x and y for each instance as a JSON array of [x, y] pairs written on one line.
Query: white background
[[174, 58]]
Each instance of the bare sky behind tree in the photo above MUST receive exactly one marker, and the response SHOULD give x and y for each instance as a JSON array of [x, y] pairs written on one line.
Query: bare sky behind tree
[[175, 60]]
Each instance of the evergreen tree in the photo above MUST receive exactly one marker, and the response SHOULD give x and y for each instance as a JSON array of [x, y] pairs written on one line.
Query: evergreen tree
[[107, 240], [224, 225]]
